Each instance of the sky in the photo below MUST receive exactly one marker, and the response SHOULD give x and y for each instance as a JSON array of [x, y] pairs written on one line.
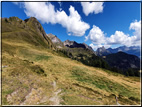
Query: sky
[[108, 24]]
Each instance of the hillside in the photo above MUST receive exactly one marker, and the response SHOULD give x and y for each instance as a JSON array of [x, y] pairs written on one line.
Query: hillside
[[30, 31], [123, 60], [124, 63], [33, 73]]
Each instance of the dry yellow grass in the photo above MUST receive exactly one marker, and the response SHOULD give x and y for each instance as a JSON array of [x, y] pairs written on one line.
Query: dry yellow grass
[[80, 84]]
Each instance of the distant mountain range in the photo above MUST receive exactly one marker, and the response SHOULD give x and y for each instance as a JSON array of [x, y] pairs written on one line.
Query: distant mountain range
[[121, 58], [133, 50]]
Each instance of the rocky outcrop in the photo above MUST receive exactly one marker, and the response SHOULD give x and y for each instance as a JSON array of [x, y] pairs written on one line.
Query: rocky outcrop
[[56, 41]]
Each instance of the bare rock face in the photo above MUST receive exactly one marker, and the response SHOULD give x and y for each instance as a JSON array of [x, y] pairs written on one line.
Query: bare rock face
[[53, 38], [56, 41]]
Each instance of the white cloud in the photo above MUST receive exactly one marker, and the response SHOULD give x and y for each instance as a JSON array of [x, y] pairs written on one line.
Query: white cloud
[[93, 7], [42, 11], [124, 39], [96, 35], [45, 12], [118, 38], [136, 26], [95, 47], [73, 22]]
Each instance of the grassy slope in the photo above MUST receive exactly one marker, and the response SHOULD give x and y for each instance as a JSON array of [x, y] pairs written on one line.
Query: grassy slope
[[30, 71], [80, 84]]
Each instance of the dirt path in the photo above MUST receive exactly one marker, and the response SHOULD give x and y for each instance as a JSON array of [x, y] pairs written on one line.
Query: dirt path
[[55, 99]]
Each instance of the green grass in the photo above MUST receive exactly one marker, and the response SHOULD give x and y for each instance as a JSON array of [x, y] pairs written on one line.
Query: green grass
[[77, 100], [43, 57], [101, 82]]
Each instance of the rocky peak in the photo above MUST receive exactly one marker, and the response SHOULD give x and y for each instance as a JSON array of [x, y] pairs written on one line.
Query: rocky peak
[[69, 43], [102, 51], [12, 20], [31, 19], [58, 43], [53, 38]]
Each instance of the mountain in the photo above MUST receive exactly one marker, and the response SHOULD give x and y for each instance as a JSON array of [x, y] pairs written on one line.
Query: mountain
[[119, 61], [56, 41], [73, 44], [134, 50], [83, 53], [102, 51], [123, 61], [29, 30], [34, 72]]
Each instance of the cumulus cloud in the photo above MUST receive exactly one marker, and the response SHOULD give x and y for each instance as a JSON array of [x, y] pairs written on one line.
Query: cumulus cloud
[[136, 26], [96, 35], [92, 7], [125, 39], [45, 12], [118, 38]]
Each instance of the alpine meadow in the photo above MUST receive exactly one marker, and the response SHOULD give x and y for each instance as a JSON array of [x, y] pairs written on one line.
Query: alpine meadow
[[53, 55]]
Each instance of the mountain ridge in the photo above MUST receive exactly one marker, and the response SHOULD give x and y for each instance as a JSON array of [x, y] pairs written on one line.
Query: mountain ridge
[[31, 28], [74, 44], [134, 50]]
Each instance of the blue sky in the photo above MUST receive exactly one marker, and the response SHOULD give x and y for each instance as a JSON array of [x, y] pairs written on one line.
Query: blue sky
[[109, 24]]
